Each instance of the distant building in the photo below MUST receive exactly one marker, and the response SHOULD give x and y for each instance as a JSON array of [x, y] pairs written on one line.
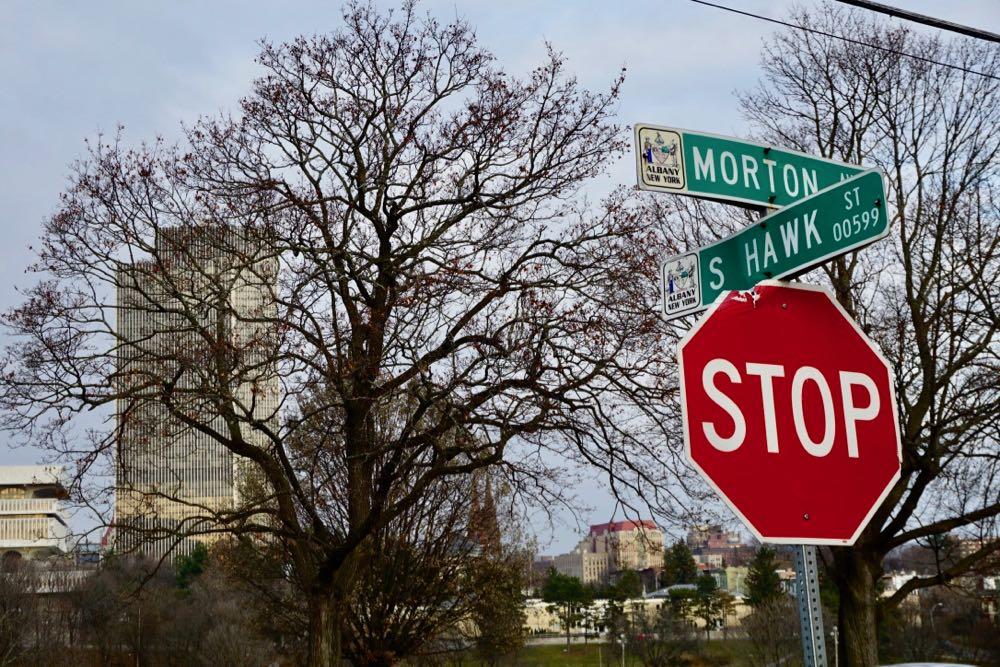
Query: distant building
[[590, 568], [967, 546], [786, 578], [718, 574], [893, 581], [730, 579], [171, 478], [32, 524], [87, 553], [613, 547], [536, 571], [709, 561], [665, 593], [542, 563], [541, 617], [988, 591], [714, 547], [712, 537], [736, 580]]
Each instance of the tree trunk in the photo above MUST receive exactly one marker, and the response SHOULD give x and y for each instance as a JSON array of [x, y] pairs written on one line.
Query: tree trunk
[[857, 573], [324, 631]]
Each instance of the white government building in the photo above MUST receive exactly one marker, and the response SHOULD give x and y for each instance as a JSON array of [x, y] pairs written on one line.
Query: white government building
[[32, 524]]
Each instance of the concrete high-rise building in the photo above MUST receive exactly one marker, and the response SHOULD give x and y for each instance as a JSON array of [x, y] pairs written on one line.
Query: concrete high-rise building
[[613, 547], [32, 525], [203, 301]]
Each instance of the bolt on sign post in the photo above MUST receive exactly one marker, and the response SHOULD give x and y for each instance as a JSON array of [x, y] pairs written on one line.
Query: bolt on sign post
[[832, 222], [728, 169], [789, 412]]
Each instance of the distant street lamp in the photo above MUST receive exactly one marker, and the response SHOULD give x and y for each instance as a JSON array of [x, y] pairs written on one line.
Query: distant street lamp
[[836, 647]]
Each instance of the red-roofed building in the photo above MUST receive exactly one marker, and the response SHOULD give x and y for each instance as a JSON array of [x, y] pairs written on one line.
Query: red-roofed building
[[612, 547]]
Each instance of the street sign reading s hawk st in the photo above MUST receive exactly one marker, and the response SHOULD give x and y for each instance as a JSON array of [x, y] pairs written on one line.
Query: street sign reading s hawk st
[[843, 217], [789, 412], [728, 169]]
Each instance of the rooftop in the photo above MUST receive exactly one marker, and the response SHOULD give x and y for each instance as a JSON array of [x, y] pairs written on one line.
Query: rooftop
[[619, 526], [30, 475]]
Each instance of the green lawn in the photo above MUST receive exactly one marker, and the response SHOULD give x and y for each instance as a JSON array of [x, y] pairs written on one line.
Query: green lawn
[[716, 654], [559, 654]]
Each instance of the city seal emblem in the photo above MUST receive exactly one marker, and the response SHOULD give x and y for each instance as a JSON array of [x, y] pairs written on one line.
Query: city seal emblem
[[681, 284], [661, 158]]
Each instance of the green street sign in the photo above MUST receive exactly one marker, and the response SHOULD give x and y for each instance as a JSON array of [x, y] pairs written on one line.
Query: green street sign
[[729, 169], [832, 222]]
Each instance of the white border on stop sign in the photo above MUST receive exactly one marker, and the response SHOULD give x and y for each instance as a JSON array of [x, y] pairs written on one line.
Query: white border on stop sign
[[895, 418]]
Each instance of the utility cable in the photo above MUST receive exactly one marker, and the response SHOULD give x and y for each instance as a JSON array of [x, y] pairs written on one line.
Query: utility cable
[[924, 18], [847, 39]]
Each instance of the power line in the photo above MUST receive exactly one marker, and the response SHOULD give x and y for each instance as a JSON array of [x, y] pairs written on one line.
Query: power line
[[923, 18], [847, 39]]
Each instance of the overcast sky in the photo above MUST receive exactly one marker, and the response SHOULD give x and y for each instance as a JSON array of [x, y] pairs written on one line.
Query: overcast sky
[[69, 70]]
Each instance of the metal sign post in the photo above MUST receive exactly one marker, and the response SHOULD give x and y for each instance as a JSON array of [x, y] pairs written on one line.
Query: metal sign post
[[810, 609]]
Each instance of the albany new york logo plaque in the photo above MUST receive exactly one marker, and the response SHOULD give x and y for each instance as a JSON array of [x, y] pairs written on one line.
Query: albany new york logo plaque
[[681, 288], [662, 158]]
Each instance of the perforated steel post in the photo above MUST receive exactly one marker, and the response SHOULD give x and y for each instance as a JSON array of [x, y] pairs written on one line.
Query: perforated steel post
[[810, 610]]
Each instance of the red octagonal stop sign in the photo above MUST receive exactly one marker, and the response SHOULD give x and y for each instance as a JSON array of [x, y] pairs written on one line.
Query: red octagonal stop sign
[[789, 412]]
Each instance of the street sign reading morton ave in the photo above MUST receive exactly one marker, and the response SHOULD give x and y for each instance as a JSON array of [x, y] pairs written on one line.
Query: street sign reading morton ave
[[728, 169], [841, 218], [789, 412]]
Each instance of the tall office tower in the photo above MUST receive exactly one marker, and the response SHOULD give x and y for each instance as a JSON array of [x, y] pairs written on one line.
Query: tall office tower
[[195, 325]]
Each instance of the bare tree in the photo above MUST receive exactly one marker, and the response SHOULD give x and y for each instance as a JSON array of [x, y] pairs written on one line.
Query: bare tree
[[417, 584], [215, 626], [434, 581], [18, 607], [659, 637], [412, 215], [929, 294], [498, 611], [38, 620], [773, 633]]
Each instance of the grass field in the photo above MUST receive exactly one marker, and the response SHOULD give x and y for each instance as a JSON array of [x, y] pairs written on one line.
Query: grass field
[[714, 654]]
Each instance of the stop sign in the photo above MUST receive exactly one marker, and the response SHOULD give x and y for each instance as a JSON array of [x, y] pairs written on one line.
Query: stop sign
[[789, 412]]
